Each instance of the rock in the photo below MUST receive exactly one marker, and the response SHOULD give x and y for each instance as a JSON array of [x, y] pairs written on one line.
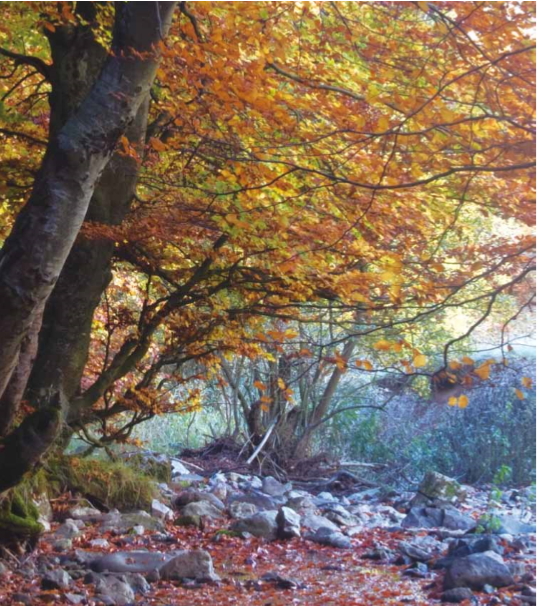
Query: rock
[[3, 569], [281, 582], [62, 545], [239, 510], [177, 468], [196, 496], [288, 523], [122, 523], [332, 538], [185, 521], [415, 552], [511, 525], [56, 579], [433, 517], [456, 595], [131, 561], [314, 522], [262, 524], [99, 543], [439, 488], [68, 530], [274, 488], [138, 583], [477, 544], [201, 509], [260, 501], [160, 510], [379, 553], [476, 570], [84, 510], [114, 590], [196, 564], [341, 517], [23, 598]]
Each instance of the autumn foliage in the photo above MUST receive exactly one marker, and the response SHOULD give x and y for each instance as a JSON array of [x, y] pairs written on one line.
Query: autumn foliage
[[364, 165]]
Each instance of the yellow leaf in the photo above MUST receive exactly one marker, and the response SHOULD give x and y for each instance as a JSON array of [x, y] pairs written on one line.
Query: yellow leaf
[[520, 394], [265, 407], [367, 365], [281, 384], [382, 345], [483, 371], [467, 360], [463, 401], [452, 401], [420, 360], [454, 365], [526, 382]]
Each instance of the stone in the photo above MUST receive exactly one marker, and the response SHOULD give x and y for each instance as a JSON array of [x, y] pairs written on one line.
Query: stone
[[288, 523], [260, 501], [439, 488], [84, 510], [456, 595], [131, 561], [99, 543], [160, 510], [193, 520], [3, 569], [122, 523], [314, 522], [23, 598], [138, 583], [56, 579], [75, 598], [511, 525], [274, 488], [62, 545], [68, 530], [262, 524], [476, 570], [239, 510], [414, 552], [196, 496], [202, 509], [332, 538], [434, 517], [177, 468], [116, 590], [196, 564], [477, 544]]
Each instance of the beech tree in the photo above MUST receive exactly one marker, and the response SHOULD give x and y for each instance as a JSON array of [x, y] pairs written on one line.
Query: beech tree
[[368, 162]]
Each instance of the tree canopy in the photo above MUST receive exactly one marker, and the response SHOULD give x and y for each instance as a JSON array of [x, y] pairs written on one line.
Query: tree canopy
[[261, 167]]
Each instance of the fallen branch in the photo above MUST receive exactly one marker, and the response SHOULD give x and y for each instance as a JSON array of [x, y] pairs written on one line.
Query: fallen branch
[[262, 443]]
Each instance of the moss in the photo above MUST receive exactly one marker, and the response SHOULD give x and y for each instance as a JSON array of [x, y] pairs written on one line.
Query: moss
[[113, 484], [18, 521], [160, 470]]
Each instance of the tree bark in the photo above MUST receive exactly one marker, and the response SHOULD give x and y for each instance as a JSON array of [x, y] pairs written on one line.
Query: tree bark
[[45, 230]]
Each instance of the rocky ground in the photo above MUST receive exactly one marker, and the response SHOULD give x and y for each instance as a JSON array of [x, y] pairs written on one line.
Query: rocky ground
[[240, 539]]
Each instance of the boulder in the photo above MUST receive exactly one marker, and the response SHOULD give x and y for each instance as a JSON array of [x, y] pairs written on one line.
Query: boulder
[[274, 488], [476, 570], [260, 501], [177, 468], [131, 561], [114, 590], [44, 510], [121, 523], [239, 510], [314, 522], [56, 579], [201, 509], [508, 524], [437, 488], [434, 517], [196, 496], [288, 523], [160, 510], [456, 595], [262, 524], [332, 538], [196, 564], [68, 530]]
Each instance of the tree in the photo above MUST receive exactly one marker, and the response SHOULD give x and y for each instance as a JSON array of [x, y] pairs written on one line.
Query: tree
[[84, 129], [302, 161]]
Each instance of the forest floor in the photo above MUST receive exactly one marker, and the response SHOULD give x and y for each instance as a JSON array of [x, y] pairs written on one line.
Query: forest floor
[[258, 571]]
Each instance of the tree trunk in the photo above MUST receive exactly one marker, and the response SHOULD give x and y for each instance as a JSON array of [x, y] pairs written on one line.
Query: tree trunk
[[45, 230]]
